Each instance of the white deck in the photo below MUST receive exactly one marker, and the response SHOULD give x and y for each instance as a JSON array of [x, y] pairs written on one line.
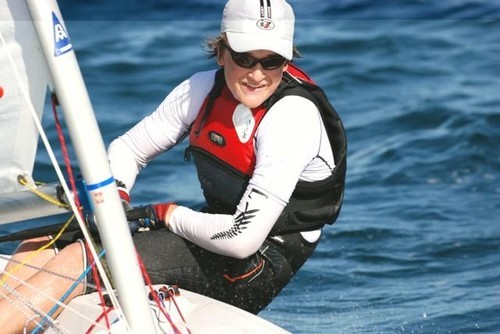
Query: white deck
[[202, 315]]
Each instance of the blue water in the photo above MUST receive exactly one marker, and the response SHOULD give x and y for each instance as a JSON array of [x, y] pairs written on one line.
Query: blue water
[[417, 246]]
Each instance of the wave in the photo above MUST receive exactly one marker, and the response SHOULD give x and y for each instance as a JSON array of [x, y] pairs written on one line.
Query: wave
[[209, 9]]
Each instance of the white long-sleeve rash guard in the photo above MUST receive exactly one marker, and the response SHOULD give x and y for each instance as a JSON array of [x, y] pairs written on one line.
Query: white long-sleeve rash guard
[[290, 144]]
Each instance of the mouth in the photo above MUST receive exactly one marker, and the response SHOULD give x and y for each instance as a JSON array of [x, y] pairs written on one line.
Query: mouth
[[253, 87]]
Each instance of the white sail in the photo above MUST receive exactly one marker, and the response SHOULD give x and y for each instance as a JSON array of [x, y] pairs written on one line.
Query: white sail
[[24, 83], [24, 79]]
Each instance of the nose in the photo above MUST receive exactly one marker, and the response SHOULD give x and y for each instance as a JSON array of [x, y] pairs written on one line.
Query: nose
[[257, 73]]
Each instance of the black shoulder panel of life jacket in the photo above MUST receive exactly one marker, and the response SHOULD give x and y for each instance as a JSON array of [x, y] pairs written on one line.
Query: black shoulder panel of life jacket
[[314, 204]]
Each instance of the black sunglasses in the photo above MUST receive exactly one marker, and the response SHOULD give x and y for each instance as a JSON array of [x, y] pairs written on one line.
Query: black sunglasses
[[246, 61]]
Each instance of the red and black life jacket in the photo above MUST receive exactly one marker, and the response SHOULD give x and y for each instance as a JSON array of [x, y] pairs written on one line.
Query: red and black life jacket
[[225, 163]]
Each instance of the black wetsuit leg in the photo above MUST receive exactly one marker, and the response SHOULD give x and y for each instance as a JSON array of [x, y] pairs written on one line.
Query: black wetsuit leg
[[250, 284]]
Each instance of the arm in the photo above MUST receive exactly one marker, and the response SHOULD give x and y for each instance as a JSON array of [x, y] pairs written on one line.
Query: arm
[[239, 235], [161, 130]]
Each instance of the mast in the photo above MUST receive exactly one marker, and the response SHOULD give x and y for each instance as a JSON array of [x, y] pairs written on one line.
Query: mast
[[91, 154]]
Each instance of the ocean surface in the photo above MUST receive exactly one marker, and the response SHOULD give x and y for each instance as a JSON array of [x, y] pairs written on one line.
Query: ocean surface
[[417, 246]]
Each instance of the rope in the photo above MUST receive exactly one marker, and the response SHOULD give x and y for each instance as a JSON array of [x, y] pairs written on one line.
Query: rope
[[157, 300], [103, 314], [71, 177], [99, 289], [38, 312], [51, 199], [155, 296], [42, 293], [31, 109], [11, 301], [65, 153], [172, 297], [58, 303], [34, 253], [53, 273], [65, 296]]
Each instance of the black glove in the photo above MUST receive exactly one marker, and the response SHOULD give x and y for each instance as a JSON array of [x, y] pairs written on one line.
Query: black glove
[[143, 219]]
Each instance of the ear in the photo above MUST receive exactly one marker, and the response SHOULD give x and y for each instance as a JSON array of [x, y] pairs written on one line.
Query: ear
[[220, 57]]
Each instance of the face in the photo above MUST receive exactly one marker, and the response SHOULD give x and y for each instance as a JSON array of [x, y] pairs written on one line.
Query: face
[[251, 86]]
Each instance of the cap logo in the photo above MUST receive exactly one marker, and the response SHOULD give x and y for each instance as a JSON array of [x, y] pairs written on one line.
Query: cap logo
[[265, 24]]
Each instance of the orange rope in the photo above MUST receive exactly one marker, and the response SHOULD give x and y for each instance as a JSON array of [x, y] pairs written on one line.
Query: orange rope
[[248, 274]]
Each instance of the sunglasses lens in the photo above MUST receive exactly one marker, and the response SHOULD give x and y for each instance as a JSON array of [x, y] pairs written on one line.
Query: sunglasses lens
[[243, 60], [272, 63], [246, 61]]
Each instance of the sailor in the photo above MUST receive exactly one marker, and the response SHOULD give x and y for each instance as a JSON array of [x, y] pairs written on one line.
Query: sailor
[[269, 150], [270, 153]]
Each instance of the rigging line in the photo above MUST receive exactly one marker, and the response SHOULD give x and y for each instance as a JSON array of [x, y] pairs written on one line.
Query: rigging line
[[65, 296], [34, 253], [172, 298], [47, 296], [71, 177], [99, 290], [157, 300], [28, 321], [87, 285], [15, 305], [64, 149], [51, 199], [154, 295], [90, 247], [60, 176], [25, 302], [104, 314], [64, 185]]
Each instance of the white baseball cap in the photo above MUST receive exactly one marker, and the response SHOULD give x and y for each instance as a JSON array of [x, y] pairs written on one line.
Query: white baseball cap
[[259, 25]]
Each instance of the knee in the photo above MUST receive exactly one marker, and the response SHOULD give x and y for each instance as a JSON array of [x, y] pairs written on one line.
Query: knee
[[33, 244], [69, 260]]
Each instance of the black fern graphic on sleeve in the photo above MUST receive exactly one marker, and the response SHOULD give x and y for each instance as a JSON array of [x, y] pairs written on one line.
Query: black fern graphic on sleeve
[[240, 223]]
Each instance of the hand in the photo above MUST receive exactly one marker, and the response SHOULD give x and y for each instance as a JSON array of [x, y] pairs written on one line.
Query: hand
[[143, 219], [124, 195], [150, 217], [126, 205], [163, 211]]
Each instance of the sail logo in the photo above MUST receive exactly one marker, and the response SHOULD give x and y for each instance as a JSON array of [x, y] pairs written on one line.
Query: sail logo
[[61, 39]]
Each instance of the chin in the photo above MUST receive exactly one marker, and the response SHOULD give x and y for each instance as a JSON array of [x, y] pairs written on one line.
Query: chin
[[253, 101], [252, 104]]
